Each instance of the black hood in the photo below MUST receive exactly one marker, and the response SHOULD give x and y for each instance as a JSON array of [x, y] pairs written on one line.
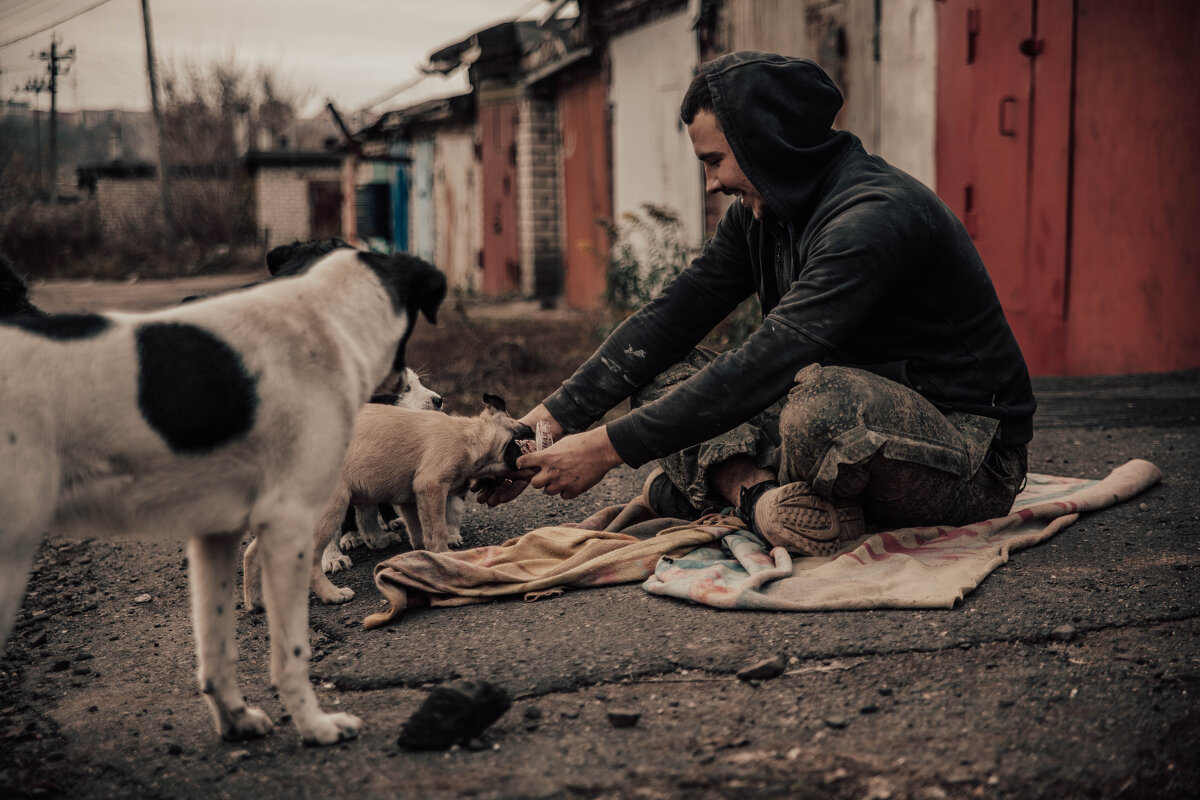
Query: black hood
[[777, 113]]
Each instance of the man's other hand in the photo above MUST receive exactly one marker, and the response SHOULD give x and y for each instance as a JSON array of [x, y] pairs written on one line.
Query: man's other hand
[[573, 464]]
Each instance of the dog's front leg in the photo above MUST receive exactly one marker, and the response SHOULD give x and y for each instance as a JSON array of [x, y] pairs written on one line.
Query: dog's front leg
[[212, 561], [431, 508], [285, 548], [455, 507]]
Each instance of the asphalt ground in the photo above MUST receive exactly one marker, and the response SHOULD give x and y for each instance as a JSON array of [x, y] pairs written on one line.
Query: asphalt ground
[[98, 696]]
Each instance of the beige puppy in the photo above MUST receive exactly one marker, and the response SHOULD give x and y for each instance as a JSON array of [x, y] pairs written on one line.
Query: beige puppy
[[418, 460]]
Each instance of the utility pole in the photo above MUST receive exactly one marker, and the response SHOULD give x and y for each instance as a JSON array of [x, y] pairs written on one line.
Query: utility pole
[[163, 179], [37, 86], [53, 59]]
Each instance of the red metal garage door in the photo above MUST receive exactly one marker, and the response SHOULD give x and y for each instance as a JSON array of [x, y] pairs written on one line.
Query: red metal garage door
[[1003, 136], [498, 165], [583, 110]]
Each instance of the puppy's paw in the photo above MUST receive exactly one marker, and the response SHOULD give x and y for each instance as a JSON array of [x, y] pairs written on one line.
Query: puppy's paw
[[246, 723], [339, 595], [383, 539], [455, 539], [335, 561], [396, 526], [350, 540], [331, 729], [253, 601]]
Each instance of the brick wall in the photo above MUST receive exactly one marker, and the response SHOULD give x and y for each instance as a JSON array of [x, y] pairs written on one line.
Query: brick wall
[[538, 198], [281, 200]]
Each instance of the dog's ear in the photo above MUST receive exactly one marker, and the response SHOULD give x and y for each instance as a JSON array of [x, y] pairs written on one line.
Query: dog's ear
[[414, 284], [430, 289], [496, 402]]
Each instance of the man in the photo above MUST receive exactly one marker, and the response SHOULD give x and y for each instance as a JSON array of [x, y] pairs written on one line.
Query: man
[[884, 384]]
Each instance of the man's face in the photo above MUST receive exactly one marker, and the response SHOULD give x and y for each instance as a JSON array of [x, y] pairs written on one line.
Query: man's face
[[721, 171]]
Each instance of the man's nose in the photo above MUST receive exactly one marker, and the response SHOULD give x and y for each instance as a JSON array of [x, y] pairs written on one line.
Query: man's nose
[[712, 185]]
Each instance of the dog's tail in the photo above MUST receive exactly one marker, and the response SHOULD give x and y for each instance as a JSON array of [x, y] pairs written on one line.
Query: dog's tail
[[14, 293]]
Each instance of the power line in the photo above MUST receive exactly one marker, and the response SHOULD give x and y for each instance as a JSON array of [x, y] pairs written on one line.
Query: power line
[[17, 10], [68, 18]]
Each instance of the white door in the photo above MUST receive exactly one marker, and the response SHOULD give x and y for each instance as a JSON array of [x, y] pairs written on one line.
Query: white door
[[653, 160]]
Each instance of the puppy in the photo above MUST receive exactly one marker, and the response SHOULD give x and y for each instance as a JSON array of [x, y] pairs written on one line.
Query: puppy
[[417, 460], [205, 421], [379, 526]]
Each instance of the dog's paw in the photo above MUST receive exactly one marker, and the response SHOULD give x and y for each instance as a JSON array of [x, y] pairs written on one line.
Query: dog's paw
[[339, 595], [383, 539], [335, 561], [331, 729], [396, 526], [455, 539], [246, 723], [350, 540]]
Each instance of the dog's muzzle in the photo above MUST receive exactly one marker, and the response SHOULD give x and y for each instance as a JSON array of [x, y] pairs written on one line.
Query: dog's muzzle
[[514, 451]]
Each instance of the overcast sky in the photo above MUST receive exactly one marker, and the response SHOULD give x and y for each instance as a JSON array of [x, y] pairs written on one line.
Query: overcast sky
[[352, 51]]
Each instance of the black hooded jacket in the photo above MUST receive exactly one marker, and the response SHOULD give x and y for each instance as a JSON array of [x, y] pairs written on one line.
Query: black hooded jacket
[[857, 264]]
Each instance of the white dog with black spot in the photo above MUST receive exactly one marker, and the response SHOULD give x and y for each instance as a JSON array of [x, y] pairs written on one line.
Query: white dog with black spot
[[206, 421]]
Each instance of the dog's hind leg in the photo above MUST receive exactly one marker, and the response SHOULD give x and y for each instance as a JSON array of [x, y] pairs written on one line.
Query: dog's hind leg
[[325, 536], [286, 551], [252, 593], [212, 560]]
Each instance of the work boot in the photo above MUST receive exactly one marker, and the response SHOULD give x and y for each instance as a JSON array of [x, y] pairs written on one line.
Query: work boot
[[666, 499], [794, 517]]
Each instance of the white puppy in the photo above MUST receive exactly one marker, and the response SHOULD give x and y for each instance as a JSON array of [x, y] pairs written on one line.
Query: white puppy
[[205, 421]]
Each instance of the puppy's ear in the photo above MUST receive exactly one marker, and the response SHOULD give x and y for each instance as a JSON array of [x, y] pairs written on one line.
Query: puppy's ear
[[496, 402]]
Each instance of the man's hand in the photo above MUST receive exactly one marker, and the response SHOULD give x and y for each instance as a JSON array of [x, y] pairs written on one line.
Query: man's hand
[[573, 465], [509, 487]]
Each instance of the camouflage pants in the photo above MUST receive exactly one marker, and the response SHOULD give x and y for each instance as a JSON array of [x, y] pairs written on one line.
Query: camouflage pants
[[853, 435]]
